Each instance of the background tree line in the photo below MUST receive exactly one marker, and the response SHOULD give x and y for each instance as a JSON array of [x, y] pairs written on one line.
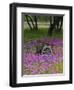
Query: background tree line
[[55, 22]]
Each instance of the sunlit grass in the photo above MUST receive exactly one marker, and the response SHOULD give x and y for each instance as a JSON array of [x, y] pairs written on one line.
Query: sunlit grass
[[38, 34]]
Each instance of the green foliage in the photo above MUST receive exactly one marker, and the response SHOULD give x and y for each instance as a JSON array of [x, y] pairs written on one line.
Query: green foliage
[[41, 18], [41, 33], [34, 35]]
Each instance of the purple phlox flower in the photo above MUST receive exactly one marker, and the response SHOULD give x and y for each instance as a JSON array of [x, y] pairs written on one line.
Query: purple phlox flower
[[35, 71], [56, 42]]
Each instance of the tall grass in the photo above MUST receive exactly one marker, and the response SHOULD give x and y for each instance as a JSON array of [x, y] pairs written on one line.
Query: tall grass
[[39, 34]]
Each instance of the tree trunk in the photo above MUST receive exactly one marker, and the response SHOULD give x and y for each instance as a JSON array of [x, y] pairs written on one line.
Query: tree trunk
[[28, 22], [36, 25]]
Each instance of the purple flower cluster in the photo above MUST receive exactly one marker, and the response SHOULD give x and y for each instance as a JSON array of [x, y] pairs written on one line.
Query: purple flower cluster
[[41, 63], [55, 42]]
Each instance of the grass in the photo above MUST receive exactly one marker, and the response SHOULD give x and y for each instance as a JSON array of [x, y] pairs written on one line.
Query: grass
[[38, 34], [55, 68]]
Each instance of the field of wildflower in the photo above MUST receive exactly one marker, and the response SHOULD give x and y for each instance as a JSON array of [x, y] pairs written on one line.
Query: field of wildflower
[[42, 54], [39, 63]]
